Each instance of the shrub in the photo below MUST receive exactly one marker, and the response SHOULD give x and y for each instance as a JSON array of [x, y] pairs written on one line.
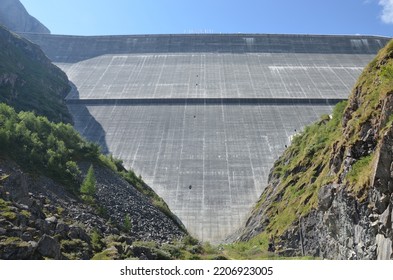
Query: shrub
[[73, 170], [127, 223], [189, 240]]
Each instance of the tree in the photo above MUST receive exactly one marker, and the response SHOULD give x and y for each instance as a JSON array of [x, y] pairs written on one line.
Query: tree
[[127, 223], [88, 186]]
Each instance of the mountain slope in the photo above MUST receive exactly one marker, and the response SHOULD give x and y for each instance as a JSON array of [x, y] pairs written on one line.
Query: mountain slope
[[14, 16], [330, 193], [29, 80]]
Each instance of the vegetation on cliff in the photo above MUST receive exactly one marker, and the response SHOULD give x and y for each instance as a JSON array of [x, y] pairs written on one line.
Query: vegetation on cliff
[[337, 150], [43, 146]]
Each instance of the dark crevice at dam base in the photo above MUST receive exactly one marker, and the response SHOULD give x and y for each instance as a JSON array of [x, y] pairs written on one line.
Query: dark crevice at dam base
[[202, 118]]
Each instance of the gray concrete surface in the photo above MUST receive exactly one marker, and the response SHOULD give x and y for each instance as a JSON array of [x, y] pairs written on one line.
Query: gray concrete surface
[[203, 117], [215, 75]]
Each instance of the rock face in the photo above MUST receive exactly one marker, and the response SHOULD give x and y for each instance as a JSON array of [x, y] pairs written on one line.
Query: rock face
[[14, 16], [29, 81], [348, 212]]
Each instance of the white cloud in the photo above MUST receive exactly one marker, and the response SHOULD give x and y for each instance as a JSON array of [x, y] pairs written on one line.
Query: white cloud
[[387, 12]]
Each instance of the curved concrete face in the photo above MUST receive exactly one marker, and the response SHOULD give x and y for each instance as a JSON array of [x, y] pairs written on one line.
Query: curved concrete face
[[209, 162], [215, 75], [203, 117]]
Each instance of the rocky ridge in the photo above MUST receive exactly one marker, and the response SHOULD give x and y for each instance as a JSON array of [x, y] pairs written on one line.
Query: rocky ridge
[[330, 195]]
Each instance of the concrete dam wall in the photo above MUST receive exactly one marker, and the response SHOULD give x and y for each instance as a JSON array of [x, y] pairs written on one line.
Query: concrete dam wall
[[202, 118]]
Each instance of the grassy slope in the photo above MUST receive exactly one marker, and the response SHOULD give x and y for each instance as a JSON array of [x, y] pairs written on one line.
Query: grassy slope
[[306, 165]]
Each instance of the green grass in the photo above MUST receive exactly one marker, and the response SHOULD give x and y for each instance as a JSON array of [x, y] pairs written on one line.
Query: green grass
[[105, 255], [255, 249], [5, 210], [74, 249], [8, 215], [359, 176], [13, 241], [25, 213], [4, 204]]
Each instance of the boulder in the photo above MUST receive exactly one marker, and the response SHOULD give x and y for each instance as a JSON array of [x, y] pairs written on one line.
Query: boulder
[[78, 233], [49, 247]]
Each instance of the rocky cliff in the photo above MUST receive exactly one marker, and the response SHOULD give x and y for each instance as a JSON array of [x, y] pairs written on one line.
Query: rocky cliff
[[29, 80], [330, 195], [14, 16]]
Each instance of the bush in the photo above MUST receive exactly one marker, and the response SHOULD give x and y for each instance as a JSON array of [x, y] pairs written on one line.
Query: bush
[[73, 170]]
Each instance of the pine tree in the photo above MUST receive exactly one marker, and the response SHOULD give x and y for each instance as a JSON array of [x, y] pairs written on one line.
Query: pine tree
[[88, 186], [127, 223]]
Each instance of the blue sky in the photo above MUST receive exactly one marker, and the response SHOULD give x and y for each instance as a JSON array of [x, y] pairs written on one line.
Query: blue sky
[[104, 17]]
